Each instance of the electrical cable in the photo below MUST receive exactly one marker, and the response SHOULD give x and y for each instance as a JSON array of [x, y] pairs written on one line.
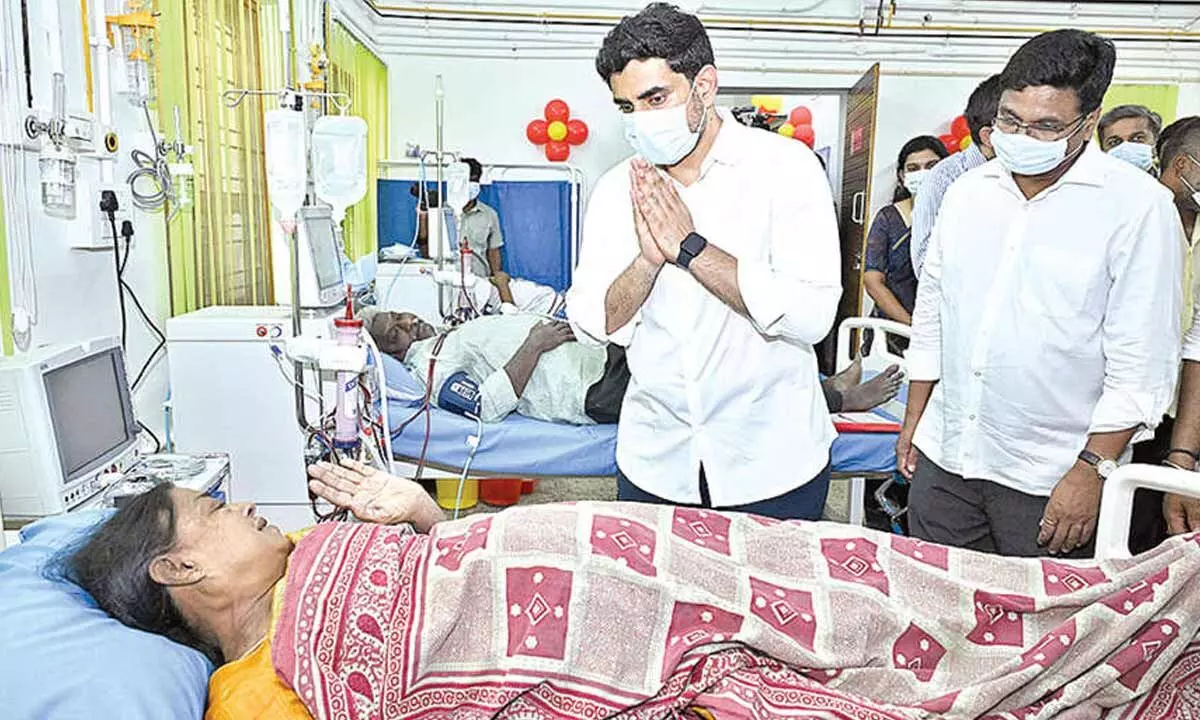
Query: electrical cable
[[112, 223]]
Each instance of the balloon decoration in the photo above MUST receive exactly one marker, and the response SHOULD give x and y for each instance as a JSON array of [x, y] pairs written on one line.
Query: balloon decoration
[[558, 131], [959, 137], [767, 104], [798, 125]]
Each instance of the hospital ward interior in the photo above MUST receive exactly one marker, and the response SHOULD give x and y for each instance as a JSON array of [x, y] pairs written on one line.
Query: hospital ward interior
[[700, 359]]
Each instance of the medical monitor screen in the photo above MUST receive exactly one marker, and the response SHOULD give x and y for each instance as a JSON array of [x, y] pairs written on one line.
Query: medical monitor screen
[[327, 260], [90, 411]]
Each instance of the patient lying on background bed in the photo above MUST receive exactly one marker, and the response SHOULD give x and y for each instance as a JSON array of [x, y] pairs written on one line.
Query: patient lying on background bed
[[620, 610], [522, 364]]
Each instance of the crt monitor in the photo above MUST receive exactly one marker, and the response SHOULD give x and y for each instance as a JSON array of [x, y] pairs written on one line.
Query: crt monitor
[[66, 416], [321, 280]]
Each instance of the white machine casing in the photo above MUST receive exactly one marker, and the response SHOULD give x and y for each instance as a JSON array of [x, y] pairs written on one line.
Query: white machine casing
[[322, 283], [34, 481], [227, 394]]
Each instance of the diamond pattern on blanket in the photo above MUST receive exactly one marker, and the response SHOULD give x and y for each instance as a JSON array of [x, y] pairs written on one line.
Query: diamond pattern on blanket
[[787, 611], [937, 556], [1050, 648], [702, 528], [629, 543], [538, 601], [451, 550], [1135, 660], [918, 651], [693, 625], [999, 619], [1126, 600], [854, 560], [1062, 579]]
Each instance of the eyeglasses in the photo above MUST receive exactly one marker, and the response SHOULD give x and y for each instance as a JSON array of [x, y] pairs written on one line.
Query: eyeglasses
[[1043, 130]]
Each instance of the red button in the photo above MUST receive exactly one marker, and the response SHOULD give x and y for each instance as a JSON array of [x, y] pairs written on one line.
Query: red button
[[261, 331]]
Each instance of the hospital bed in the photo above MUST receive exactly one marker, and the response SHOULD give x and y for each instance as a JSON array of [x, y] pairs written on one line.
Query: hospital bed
[[874, 454], [527, 448], [54, 635]]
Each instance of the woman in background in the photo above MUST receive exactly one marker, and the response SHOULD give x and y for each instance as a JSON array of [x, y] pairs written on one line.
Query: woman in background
[[889, 277]]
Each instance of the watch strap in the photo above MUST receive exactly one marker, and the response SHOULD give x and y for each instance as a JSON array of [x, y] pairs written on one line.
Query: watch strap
[[1090, 458]]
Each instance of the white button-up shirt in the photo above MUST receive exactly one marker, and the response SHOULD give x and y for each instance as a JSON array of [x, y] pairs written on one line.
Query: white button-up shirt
[[739, 395], [1046, 320]]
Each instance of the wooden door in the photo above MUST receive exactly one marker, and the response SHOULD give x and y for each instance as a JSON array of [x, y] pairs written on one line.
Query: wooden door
[[857, 151]]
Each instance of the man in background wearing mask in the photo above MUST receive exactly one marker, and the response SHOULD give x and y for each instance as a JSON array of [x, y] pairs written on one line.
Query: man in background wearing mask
[[980, 114], [713, 256], [1046, 330], [1154, 517], [1130, 132]]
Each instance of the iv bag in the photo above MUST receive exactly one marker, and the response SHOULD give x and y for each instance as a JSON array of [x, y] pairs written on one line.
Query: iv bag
[[339, 149], [287, 166], [458, 186]]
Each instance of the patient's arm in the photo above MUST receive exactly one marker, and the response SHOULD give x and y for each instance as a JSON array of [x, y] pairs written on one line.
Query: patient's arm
[[543, 338], [373, 495]]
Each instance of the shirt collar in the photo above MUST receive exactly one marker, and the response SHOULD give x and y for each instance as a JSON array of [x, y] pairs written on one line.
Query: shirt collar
[[727, 148]]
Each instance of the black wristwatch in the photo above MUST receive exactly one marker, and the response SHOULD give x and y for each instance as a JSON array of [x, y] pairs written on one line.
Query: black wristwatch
[[690, 248]]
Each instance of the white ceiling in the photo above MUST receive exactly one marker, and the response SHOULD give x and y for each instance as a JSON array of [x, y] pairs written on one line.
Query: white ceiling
[[1154, 39]]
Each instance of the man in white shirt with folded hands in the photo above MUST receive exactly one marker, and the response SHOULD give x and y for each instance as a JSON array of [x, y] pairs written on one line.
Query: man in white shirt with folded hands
[[714, 258], [1046, 329]]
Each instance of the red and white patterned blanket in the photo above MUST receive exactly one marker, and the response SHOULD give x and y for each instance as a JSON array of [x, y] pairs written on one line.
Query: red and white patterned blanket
[[599, 610]]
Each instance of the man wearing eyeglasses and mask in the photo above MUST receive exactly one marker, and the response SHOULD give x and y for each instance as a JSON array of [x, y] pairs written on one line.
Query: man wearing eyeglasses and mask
[[713, 256], [1046, 329]]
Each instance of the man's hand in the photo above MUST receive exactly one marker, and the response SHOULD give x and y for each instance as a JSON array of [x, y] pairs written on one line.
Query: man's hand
[[372, 495], [665, 213], [1070, 516], [1182, 514], [906, 454], [546, 336], [646, 245]]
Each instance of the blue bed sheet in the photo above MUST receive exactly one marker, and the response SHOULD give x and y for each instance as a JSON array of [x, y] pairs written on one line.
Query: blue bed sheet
[[523, 447]]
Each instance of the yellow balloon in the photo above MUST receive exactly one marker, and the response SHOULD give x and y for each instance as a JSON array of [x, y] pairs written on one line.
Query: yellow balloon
[[557, 130], [966, 143], [756, 100], [772, 103], [787, 130]]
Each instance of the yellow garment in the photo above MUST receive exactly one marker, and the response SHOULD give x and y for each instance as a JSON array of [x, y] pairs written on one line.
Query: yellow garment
[[248, 688]]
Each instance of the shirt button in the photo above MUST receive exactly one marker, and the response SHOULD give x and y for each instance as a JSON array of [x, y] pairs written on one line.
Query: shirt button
[[970, 417], [978, 374]]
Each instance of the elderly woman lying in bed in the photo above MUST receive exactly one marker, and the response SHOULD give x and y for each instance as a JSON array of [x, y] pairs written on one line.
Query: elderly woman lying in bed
[[517, 363], [620, 610]]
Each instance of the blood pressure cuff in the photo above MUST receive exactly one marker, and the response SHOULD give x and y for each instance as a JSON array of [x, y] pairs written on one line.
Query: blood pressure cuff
[[460, 394]]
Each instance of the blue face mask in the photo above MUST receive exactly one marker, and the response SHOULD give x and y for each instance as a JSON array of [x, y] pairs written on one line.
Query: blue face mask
[[1137, 154]]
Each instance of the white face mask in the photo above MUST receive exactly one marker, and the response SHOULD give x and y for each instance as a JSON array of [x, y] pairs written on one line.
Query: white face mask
[[663, 137], [914, 179], [1023, 155], [1137, 154], [472, 191]]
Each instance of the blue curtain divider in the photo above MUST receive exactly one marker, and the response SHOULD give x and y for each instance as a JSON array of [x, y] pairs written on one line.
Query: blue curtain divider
[[535, 217]]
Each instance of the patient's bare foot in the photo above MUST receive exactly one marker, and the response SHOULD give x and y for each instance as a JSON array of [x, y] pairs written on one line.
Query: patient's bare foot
[[848, 378], [874, 392]]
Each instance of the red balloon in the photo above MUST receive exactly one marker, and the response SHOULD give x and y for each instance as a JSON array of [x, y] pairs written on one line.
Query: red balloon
[[950, 142], [557, 110], [959, 127], [577, 132], [805, 134], [800, 116], [536, 132], [557, 151]]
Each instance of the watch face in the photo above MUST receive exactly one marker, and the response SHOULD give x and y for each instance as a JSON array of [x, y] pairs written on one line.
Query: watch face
[[1106, 468]]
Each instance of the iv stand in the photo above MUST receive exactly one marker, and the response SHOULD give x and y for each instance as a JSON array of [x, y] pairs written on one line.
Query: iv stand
[[289, 98]]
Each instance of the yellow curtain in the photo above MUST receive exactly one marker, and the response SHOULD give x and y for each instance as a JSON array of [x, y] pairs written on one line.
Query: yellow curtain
[[220, 246], [359, 73], [1162, 99]]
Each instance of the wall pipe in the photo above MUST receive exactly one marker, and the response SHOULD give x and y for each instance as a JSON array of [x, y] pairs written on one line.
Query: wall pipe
[[102, 50]]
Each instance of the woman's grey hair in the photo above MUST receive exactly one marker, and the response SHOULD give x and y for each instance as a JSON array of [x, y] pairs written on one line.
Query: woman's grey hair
[[1129, 112]]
